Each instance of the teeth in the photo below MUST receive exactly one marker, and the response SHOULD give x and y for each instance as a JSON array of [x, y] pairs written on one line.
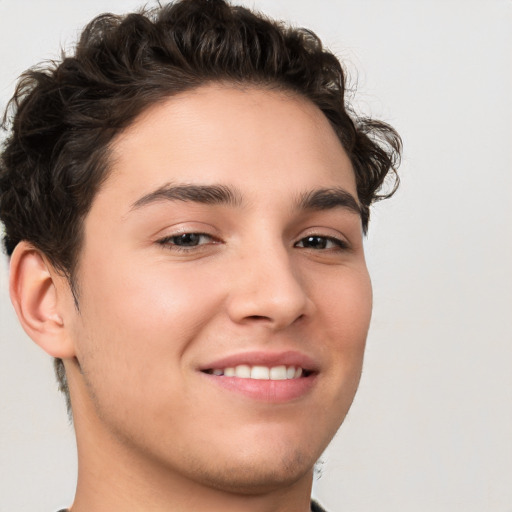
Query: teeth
[[260, 373], [229, 372], [278, 373], [244, 371]]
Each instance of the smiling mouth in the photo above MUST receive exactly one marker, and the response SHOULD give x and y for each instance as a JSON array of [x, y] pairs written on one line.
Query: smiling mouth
[[258, 372]]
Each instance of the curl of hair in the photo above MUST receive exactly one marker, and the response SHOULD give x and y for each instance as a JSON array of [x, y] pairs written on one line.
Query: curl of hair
[[64, 115]]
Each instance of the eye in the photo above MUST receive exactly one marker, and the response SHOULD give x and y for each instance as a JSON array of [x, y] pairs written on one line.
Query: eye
[[185, 241], [318, 242]]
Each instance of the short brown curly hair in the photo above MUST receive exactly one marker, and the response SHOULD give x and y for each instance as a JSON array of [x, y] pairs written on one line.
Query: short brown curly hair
[[64, 115]]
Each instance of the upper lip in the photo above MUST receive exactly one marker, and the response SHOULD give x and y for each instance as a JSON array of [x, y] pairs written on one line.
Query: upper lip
[[260, 358]]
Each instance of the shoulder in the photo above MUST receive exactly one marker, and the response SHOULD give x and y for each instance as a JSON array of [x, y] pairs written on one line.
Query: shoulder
[[315, 507]]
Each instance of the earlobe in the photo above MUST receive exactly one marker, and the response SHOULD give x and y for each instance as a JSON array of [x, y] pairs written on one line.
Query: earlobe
[[35, 296]]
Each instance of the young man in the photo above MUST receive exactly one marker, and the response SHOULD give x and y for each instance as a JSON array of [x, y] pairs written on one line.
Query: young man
[[184, 202]]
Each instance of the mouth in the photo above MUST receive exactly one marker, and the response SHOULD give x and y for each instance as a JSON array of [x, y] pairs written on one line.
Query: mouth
[[259, 372], [264, 377]]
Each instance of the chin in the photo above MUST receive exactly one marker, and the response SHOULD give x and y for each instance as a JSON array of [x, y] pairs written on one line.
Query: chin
[[260, 474], [259, 458]]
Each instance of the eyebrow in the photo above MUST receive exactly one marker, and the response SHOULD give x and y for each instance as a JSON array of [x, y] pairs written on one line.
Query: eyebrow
[[328, 199], [205, 194], [319, 199]]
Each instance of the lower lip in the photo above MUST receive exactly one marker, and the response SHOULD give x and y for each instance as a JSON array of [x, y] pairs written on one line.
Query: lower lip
[[274, 391]]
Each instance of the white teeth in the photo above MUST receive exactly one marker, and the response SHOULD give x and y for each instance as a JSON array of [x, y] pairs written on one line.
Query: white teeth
[[278, 373], [260, 372], [244, 371]]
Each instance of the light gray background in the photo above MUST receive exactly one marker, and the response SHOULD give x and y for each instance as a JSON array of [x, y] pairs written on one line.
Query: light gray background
[[431, 426]]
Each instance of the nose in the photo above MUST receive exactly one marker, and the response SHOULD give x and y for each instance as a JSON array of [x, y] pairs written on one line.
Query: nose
[[265, 288]]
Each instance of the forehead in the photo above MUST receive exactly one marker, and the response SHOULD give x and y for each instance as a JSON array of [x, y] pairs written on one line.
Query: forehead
[[245, 137]]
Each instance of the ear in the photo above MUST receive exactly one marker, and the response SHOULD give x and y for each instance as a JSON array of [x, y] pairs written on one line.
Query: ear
[[38, 295]]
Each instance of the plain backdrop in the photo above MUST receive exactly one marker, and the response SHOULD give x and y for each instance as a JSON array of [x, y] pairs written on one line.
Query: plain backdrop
[[431, 427]]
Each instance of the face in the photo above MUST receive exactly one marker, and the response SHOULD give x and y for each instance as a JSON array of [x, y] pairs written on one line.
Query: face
[[224, 297]]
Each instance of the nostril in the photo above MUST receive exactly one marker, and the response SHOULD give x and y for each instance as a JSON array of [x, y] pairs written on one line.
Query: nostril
[[258, 317]]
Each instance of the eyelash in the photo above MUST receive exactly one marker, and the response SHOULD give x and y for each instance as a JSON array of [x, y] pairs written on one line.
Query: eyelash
[[170, 242], [338, 244]]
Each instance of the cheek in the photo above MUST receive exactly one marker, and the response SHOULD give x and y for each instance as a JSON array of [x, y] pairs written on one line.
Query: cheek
[[137, 322], [347, 308], [345, 318], [146, 298]]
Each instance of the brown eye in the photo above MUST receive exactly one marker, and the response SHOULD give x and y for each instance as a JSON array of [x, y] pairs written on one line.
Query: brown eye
[[318, 242], [186, 240]]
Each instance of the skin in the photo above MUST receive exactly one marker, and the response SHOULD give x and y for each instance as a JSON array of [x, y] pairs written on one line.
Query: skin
[[153, 432]]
